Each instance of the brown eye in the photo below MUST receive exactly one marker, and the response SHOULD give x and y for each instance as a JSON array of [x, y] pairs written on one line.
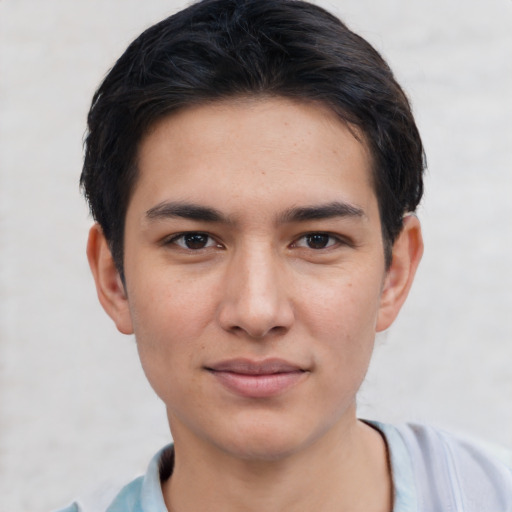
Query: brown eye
[[317, 241], [194, 241]]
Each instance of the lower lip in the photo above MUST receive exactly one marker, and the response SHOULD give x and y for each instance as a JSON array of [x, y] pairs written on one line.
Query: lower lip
[[258, 386]]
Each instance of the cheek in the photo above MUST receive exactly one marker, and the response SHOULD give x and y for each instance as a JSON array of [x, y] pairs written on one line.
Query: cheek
[[169, 321], [345, 308], [166, 308], [341, 321]]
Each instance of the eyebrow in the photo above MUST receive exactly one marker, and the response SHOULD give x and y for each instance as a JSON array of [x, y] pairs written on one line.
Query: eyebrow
[[190, 211], [322, 211]]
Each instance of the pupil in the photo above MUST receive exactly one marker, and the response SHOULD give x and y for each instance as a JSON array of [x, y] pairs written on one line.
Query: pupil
[[196, 241], [317, 241]]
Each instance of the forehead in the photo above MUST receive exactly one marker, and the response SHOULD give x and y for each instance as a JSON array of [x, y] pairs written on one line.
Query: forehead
[[253, 148]]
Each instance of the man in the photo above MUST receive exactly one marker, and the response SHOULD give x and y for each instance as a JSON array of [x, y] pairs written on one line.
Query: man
[[253, 168]]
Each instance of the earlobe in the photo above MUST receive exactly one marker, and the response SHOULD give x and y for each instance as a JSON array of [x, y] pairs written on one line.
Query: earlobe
[[407, 252], [109, 286]]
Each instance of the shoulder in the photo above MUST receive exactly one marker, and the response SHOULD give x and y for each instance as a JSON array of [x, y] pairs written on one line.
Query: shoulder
[[144, 494], [435, 447], [455, 470], [127, 500]]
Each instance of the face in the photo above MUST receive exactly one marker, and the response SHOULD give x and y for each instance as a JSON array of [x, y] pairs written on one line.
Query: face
[[255, 276]]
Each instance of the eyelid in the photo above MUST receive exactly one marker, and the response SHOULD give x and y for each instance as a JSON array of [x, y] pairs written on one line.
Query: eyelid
[[334, 240], [172, 240]]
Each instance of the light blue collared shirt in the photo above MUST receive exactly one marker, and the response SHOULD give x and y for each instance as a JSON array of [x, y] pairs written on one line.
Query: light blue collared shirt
[[432, 471]]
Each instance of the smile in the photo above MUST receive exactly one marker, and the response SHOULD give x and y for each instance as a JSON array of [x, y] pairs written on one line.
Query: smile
[[257, 379]]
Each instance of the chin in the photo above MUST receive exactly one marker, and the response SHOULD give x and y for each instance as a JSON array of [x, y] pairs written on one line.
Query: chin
[[262, 448], [264, 440]]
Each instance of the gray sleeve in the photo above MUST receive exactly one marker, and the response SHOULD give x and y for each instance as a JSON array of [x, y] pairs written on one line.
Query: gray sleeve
[[454, 475]]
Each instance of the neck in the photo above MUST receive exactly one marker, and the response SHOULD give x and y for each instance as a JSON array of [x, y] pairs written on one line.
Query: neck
[[346, 470]]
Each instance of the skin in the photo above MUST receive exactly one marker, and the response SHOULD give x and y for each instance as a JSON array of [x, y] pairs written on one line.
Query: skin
[[286, 262]]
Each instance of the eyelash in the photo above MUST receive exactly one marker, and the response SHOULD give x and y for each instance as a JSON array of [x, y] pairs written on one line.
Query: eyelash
[[332, 241], [181, 236]]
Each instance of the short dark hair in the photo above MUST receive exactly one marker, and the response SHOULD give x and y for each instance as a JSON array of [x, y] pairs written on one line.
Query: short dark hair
[[217, 49]]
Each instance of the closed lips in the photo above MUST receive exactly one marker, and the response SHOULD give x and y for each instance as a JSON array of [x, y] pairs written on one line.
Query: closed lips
[[247, 367], [252, 379]]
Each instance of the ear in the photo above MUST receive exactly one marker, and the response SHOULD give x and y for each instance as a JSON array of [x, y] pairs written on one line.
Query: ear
[[109, 285], [407, 252]]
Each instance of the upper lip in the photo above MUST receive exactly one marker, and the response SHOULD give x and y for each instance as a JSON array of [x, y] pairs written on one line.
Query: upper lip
[[250, 367]]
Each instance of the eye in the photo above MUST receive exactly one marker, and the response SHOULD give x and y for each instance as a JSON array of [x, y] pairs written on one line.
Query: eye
[[316, 241], [193, 241]]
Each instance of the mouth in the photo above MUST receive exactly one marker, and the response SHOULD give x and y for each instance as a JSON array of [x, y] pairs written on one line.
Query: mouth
[[257, 379]]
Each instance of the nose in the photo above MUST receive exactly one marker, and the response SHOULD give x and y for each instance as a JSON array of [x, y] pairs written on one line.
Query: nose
[[255, 298]]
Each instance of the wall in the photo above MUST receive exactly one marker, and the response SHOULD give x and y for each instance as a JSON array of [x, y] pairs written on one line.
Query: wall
[[76, 415]]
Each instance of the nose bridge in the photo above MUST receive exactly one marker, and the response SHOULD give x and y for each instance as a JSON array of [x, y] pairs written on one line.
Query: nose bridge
[[255, 295]]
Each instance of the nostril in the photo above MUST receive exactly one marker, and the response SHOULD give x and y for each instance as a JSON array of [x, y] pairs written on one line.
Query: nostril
[[255, 333], [278, 329]]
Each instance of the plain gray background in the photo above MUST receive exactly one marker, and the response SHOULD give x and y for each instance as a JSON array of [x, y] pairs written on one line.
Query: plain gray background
[[76, 414]]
